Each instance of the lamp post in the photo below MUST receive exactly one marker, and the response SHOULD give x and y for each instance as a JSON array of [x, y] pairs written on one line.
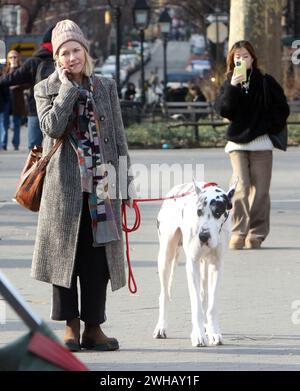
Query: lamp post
[[116, 5], [141, 17], [164, 22]]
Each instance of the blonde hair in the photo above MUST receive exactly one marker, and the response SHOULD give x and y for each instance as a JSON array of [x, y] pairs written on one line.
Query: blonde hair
[[89, 65], [7, 67]]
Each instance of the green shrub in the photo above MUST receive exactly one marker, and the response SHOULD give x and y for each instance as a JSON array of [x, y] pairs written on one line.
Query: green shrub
[[154, 135], [294, 134]]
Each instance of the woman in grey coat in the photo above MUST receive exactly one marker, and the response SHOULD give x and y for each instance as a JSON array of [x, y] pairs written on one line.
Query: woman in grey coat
[[79, 230]]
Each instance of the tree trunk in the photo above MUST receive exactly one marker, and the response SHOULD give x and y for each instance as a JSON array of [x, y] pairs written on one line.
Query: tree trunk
[[259, 22]]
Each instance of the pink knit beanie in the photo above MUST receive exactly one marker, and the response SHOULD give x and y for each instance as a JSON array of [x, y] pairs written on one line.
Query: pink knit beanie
[[64, 31]]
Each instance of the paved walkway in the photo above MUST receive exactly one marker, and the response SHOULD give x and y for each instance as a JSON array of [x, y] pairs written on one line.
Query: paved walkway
[[259, 287]]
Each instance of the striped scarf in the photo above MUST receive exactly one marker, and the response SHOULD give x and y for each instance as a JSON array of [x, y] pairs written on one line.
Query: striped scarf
[[93, 171]]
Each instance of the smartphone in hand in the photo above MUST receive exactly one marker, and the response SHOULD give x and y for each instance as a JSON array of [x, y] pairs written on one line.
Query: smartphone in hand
[[240, 69], [58, 65]]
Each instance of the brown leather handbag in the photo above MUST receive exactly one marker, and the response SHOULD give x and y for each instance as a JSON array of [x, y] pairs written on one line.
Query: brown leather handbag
[[30, 185]]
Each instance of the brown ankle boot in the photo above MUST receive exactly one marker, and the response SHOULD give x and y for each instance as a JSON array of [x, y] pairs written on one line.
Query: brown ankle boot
[[253, 243], [236, 243], [72, 335], [93, 338]]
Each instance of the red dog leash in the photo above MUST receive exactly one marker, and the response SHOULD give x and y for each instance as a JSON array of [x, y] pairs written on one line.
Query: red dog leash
[[131, 281]]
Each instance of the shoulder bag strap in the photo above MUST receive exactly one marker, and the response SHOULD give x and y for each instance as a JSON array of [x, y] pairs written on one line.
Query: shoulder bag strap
[[45, 160]]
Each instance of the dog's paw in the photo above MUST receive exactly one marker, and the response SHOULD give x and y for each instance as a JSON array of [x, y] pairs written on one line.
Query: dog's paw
[[215, 339], [159, 332], [198, 339]]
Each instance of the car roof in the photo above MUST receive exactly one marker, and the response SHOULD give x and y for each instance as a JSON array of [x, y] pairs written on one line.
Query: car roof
[[182, 76], [181, 72], [128, 51], [202, 62], [108, 66]]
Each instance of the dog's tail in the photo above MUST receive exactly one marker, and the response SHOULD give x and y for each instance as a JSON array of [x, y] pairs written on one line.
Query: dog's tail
[[173, 265]]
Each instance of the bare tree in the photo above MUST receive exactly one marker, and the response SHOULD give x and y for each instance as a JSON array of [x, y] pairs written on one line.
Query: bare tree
[[89, 14], [35, 8], [196, 10]]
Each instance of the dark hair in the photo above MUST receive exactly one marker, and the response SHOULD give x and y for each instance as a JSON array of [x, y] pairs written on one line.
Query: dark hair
[[130, 85], [196, 88], [48, 34], [230, 56]]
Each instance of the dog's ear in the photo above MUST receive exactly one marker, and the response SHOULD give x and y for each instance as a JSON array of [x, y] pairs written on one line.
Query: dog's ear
[[231, 192], [196, 188]]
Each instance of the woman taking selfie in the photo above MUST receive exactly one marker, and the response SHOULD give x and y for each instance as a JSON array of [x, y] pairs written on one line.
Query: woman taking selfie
[[79, 230], [242, 101]]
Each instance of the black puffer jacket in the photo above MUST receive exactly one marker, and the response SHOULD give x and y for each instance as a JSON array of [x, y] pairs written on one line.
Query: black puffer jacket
[[26, 74], [249, 116]]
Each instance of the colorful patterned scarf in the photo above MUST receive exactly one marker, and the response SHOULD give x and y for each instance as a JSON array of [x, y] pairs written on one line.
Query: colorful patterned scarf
[[93, 171]]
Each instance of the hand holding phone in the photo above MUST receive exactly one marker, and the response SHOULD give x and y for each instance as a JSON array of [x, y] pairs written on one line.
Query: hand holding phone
[[63, 73], [240, 69]]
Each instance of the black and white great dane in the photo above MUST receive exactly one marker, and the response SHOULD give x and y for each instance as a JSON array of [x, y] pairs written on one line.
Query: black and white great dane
[[199, 222]]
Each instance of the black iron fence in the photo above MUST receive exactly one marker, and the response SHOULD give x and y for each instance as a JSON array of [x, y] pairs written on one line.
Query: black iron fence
[[178, 114]]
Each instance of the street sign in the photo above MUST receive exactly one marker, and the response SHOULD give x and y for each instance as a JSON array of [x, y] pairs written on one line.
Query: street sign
[[26, 49], [25, 44], [213, 18], [217, 32]]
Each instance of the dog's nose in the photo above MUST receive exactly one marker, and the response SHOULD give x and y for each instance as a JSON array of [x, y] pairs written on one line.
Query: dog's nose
[[204, 236]]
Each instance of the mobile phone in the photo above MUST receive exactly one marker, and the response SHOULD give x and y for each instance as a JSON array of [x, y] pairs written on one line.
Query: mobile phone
[[240, 69], [58, 64]]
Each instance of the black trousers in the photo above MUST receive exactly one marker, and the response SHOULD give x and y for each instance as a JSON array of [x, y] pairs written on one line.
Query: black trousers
[[92, 270]]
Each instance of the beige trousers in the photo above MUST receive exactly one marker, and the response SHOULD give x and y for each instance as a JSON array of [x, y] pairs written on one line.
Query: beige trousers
[[251, 202]]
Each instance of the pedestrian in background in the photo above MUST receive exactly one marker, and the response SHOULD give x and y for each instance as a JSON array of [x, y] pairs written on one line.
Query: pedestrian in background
[[79, 232], [130, 92], [153, 78], [195, 94], [34, 69], [14, 107], [249, 145], [4, 97]]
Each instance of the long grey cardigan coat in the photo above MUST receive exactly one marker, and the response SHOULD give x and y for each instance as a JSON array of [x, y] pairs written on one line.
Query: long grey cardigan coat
[[61, 203]]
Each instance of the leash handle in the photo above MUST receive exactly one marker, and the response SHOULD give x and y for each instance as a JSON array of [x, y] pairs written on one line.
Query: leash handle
[[131, 280]]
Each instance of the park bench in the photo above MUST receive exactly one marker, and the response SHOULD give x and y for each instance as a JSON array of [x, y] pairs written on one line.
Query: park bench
[[197, 114], [131, 112], [194, 114], [294, 119]]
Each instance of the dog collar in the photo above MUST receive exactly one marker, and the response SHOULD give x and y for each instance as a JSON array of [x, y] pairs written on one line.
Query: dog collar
[[208, 184]]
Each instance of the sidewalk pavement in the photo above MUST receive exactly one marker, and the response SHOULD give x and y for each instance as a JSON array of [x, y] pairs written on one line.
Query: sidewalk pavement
[[259, 296]]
